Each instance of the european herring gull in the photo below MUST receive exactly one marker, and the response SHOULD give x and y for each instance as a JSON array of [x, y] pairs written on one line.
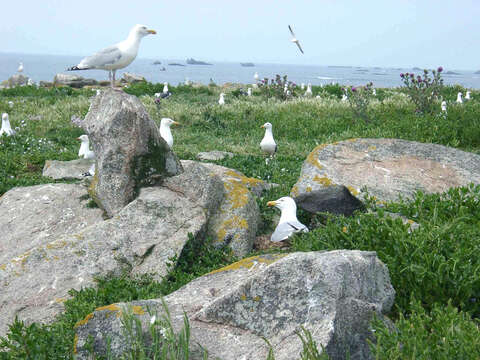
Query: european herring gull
[[288, 224], [20, 67], [221, 100], [86, 153], [467, 95], [6, 128], [444, 106], [309, 90], [268, 143], [459, 98], [294, 39], [165, 132], [117, 56]]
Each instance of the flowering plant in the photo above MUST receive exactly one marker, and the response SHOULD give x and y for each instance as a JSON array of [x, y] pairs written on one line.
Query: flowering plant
[[359, 97], [423, 91], [279, 87]]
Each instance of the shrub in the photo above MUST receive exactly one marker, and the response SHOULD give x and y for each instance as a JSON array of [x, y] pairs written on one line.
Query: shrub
[[275, 88], [423, 91], [359, 97]]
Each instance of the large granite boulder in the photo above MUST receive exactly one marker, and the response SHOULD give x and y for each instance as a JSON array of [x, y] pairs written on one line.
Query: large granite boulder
[[387, 168], [72, 80], [51, 248], [67, 170], [16, 80], [332, 294], [130, 153]]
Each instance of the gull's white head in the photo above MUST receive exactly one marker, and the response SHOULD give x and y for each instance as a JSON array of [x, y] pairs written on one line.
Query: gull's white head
[[267, 126], [4, 117], [165, 83], [284, 203], [141, 31], [168, 122], [83, 138], [222, 95]]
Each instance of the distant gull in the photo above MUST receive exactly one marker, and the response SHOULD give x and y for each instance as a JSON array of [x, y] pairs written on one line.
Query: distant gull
[[6, 128], [459, 98], [187, 81], [30, 82], [344, 96], [444, 106], [467, 95], [86, 153], [309, 90], [302, 86], [20, 67], [221, 101], [294, 39], [117, 56], [165, 87], [256, 77], [374, 92], [165, 132], [249, 91], [268, 144], [10, 104], [288, 224]]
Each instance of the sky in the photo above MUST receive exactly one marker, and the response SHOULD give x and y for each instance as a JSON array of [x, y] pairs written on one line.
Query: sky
[[386, 33]]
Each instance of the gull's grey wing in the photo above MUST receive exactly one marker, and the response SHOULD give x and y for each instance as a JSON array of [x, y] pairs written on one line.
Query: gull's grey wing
[[298, 44], [284, 230], [291, 31], [107, 56]]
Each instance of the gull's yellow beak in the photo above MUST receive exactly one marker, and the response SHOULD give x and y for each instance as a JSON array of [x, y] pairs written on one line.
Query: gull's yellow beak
[[262, 126], [271, 203], [152, 32], [176, 123], [77, 138]]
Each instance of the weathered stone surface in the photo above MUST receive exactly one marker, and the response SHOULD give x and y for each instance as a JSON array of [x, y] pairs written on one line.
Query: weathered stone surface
[[132, 78], [74, 81], [214, 155], [236, 220], [335, 199], [66, 169], [332, 294], [17, 80], [129, 150], [32, 218], [387, 168]]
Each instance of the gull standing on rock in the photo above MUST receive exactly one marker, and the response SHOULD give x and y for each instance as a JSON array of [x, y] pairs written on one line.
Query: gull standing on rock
[[268, 144], [165, 88], [221, 101], [20, 67], [117, 56], [86, 153], [288, 224], [165, 132], [459, 98], [294, 39], [6, 128]]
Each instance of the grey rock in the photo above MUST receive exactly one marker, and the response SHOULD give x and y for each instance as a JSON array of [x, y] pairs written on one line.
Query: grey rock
[[76, 120], [236, 220], [387, 168], [67, 170], [32, 218], [332, 294], [132, 78], [74, 81], [17, 80], [335, 199], [42, 83], [214, 155], [130, 152]]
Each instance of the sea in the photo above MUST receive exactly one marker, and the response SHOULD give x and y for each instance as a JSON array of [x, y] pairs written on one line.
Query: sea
[[44, 67]]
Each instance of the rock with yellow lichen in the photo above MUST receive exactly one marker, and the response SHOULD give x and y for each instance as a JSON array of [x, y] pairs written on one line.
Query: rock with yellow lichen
[[334, 175], [232, 310]]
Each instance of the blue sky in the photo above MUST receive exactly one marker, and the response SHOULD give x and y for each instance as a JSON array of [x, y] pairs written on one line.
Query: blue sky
[[424, 33]]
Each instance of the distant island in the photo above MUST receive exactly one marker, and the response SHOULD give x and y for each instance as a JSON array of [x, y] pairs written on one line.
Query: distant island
[[192, 61], [175, 64], [451, 73], [157, 62], [247, 64], [477, 72], [416, 68]]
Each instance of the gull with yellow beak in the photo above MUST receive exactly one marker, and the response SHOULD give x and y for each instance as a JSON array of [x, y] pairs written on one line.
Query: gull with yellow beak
[[288, 224], [165, 132], [117, 56], [268, 144]]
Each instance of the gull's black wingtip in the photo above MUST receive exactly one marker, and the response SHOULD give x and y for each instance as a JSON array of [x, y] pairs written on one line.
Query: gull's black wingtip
[[75, 68]]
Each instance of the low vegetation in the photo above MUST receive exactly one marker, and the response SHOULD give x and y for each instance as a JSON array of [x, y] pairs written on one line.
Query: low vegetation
[[434, 270]]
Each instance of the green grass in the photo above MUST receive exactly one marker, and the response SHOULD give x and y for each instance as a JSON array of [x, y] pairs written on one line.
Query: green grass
[[435, 270]]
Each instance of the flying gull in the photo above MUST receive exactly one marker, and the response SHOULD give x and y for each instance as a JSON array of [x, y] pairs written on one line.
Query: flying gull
[[86, 153], [268, 143], [288, 224], [294, 39], [165, 132], [6, 128], [117, 56]]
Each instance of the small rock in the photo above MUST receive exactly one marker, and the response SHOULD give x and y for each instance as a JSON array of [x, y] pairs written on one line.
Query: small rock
[[214, 155], [132, 78], [67, 170], [74, 81]]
